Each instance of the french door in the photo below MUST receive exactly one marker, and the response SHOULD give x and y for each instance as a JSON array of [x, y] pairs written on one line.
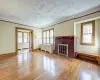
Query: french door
[[24, 40]]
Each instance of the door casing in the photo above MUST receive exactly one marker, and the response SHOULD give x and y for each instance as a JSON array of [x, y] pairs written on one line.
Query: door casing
[[16, 37]]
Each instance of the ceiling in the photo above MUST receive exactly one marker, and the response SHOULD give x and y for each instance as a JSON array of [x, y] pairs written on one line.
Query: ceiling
[[42, 13]]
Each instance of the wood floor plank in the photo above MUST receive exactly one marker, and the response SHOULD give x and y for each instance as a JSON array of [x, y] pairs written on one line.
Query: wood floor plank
[[41, 65]]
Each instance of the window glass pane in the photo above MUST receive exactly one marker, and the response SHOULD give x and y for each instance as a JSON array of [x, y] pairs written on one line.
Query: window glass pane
[[25, 37], [19, 37], [51, 36], [44, 37], [48, 40], [44, 40], [51, 40], [87, 38], [47, 33], [51, 33], [48, 37], [87, 28], [44, 34]]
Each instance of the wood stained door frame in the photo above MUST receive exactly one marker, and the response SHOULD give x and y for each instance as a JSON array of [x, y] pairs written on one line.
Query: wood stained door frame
[[16, 37]]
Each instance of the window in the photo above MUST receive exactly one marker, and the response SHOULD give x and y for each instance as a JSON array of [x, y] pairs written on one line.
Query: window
[[48, 36], [88, 33]]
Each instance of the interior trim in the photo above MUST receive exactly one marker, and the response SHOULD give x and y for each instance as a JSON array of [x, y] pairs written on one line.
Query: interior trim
[[7, 55], [16, 38], [71, 36], [18, 23]]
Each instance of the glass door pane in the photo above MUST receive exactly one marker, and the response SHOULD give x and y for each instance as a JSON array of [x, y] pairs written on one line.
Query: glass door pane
[[26, 37], [20, 36]]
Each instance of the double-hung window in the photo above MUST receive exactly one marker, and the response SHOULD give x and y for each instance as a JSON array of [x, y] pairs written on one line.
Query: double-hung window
[[88, 33], [48, 36]]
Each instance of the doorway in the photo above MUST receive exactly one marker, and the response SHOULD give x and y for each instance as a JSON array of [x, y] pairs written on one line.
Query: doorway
[[24, 40]]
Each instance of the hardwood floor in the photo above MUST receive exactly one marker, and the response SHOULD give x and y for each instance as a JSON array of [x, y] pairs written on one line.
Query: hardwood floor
[[40, 65]]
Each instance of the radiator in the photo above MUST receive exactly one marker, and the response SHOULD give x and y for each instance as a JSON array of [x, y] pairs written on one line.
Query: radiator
[[47, 47], [63, 49]]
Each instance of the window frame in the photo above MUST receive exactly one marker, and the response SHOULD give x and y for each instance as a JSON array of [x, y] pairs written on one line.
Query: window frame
[[46, 36], [93, 33]]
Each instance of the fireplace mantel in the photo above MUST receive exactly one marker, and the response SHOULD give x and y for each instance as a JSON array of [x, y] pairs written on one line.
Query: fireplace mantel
[[64, 36]]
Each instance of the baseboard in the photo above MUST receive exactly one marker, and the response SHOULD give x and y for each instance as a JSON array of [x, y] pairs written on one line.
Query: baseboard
[[7, 55], [23, 48], [36, 49]]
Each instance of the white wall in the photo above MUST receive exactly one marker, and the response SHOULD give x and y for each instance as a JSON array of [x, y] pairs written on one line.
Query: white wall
[[85, 48], [63, 29], [7, 36]]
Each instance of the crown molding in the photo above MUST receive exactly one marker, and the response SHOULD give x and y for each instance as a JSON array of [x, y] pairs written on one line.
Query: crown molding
[[18, 24]]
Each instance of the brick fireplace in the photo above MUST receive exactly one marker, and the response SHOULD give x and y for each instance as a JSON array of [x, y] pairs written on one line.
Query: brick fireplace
[[69, 40]]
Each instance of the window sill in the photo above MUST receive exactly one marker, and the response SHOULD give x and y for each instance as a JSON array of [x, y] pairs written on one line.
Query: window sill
[[87, 44]]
